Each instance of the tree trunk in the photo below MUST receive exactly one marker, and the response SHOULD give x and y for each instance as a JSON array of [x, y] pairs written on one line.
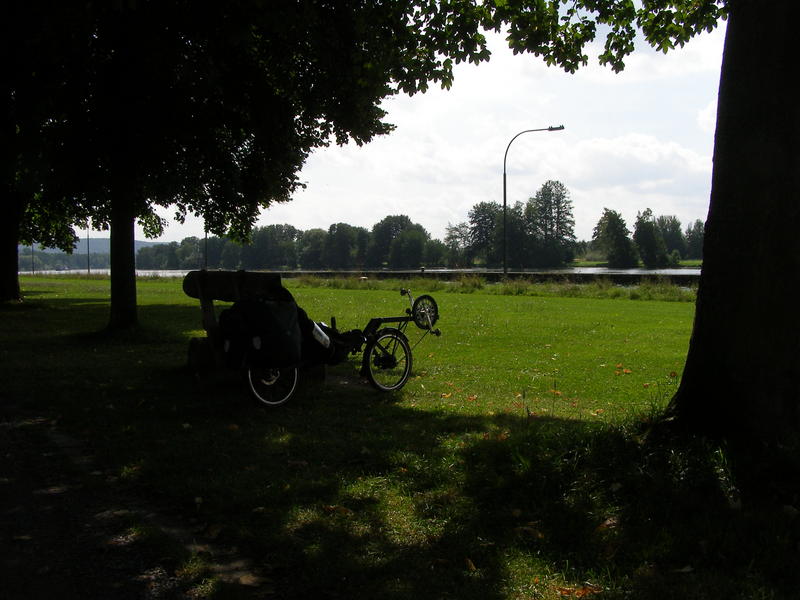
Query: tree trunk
[[742, 375], [123, 266], [9, 256]]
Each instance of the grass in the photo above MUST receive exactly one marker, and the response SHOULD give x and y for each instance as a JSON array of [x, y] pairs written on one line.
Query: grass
[[517, 462]]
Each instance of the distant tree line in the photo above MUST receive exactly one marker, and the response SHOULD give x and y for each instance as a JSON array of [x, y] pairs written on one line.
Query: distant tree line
[[58, 261], [539, 234], [395, 242], [657, 242]]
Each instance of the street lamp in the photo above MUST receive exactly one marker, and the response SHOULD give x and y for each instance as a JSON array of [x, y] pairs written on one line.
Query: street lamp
[[505, 156], [88, 254]]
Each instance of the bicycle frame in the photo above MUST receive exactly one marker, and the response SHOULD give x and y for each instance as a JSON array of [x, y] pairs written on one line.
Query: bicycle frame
[[376, 323]]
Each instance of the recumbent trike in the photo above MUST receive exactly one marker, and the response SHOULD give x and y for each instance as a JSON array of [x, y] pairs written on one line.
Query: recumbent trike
[[272, 341], [386, 360]]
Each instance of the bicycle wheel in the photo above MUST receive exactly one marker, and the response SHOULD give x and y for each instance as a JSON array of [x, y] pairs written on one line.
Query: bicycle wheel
[[270, 386], [388, 360], [425, 312]]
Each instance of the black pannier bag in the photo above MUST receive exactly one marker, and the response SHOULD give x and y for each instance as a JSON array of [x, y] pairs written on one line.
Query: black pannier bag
[[261, 332]]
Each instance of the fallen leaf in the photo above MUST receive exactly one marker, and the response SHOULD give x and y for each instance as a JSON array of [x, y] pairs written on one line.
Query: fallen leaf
[[337, 509], [564, 591], [579, 592], [588, 589], [446, 394], [609, 523], [214, 531], [530, 530], [470, 565]]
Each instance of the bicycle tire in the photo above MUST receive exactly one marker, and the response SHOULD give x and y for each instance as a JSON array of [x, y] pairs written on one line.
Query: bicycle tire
[[270, 386], [425, 312], [388, 360]]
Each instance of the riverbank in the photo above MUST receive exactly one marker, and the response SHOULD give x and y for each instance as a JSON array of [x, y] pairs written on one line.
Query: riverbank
[[681, 276]]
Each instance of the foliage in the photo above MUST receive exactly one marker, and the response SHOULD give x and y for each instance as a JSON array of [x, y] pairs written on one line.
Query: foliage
[[383, 234], [457, 238], [695, 234], [344, 247], [559, 32], [484, 220], [669, 226], [539, 233], [550, 224], [408, 248], [611, 235], [311, 248], [340, 248], [654, 289], [649, 241]]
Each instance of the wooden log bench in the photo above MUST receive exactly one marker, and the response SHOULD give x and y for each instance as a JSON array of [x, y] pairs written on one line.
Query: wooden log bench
[[206, 354]]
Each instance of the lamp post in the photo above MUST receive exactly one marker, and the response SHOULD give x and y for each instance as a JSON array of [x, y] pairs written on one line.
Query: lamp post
[[505, 156]]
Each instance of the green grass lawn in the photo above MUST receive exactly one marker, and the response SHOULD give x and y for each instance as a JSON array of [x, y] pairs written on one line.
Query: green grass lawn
[[514, 464]]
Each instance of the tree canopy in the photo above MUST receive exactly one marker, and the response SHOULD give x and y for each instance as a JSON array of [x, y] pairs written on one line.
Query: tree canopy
[[611, 234], [210, 108]]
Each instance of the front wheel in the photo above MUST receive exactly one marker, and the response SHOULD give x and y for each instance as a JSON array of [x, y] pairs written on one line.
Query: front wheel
[[270, 386], [388, 360], [425, 312]]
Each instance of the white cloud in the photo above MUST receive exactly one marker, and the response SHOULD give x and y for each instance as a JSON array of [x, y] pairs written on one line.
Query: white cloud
[[707, 117]]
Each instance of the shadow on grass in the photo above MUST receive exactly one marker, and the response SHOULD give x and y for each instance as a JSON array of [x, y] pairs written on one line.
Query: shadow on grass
[[345, 493]]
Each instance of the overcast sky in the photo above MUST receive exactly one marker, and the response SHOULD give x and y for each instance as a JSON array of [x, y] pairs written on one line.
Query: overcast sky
[[635, 140]]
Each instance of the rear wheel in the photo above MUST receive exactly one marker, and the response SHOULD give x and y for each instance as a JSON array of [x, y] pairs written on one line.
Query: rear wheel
[[388, 360], [270, 386]]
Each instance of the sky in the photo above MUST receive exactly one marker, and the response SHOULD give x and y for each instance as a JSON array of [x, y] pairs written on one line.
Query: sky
[[639, 139]]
